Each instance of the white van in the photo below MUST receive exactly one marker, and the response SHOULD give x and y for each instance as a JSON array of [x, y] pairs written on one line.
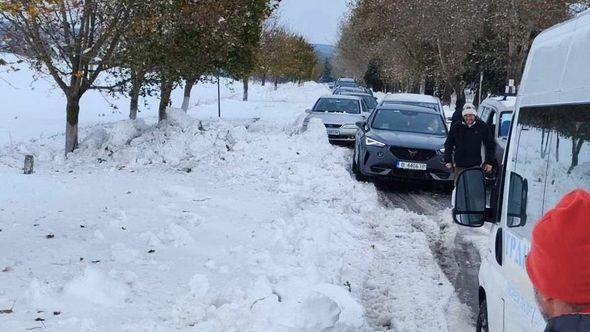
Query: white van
[[497, 113], [547, 156]]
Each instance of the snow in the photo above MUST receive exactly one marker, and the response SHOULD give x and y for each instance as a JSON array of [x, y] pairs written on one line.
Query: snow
[[242, 223]]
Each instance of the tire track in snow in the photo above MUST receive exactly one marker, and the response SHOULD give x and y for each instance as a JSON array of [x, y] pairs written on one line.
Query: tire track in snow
[[457, 257]]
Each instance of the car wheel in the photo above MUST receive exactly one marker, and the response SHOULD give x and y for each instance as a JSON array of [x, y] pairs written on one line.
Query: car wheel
[[482, 317], [355, 168]]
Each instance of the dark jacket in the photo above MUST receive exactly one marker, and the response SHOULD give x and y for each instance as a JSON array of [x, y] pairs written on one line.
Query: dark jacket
[[465, 142], [569, 323]]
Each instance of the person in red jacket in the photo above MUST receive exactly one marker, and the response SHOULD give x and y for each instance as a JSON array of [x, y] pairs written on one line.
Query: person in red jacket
[[559, 264]]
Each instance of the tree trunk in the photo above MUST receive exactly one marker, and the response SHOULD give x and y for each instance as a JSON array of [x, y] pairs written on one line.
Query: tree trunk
[[263, 79], [459, 88], [447, 93], [190, 83], [276, 82], [136, 83], [245, 96], [165, 92], [423, 84], [576, 147], [72, 112]]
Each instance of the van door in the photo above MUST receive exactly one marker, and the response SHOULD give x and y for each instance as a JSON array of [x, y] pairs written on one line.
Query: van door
[[526, 181]]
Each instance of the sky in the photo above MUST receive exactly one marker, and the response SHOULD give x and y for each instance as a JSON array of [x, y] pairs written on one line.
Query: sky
[[316, 20]]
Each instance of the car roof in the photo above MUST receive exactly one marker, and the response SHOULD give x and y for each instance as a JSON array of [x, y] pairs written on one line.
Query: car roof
[[346, 79], [341, 97], [402, 107], [349, 88], [508, 102], [356, 93], [411, 97]]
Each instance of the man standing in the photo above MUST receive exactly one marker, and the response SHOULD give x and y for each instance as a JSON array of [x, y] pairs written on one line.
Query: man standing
[[464, 142], [559, 264]]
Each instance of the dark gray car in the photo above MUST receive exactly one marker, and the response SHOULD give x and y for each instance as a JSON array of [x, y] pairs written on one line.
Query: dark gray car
[[401, 142]]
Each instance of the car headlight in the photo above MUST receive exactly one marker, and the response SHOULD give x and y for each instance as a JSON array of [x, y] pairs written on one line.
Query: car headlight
[[349, 127], [373, 142], [441, 150]]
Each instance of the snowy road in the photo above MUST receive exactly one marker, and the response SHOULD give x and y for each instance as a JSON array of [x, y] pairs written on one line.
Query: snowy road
[[214, 225], [458, 259]]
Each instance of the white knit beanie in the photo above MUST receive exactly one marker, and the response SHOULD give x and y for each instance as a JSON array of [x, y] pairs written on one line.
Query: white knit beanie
[[469, 109]]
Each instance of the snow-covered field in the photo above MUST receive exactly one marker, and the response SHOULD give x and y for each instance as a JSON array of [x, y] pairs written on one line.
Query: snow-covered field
[[242, 223]]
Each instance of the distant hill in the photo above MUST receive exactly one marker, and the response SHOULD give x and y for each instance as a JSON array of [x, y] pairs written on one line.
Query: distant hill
[[325, 51]]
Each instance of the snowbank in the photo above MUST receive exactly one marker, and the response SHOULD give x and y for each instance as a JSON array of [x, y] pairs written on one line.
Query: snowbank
[[234, 224]]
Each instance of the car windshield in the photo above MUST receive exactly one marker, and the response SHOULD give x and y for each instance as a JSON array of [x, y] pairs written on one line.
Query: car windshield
[[414, 103], [409, 121], [336, 105]]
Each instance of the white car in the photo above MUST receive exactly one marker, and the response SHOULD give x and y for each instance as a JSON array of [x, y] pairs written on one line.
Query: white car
[[339, 113]]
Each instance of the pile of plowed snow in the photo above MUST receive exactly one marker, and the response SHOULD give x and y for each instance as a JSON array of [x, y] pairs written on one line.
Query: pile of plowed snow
[[213, 225]]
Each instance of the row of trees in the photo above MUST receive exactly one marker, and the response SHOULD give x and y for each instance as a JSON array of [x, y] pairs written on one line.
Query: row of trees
[[285, 56], [143, 45], [442, 46]]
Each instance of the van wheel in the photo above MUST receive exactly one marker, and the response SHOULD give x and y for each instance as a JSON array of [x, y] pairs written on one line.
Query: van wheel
[[482, 317]]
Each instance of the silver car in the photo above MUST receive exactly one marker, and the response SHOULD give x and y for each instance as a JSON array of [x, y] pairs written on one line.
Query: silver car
[[339, 114]]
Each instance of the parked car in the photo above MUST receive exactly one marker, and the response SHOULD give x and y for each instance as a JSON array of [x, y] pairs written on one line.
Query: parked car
[[339, 114], [345, 82], [368, 98], [416, 100], [341, 89], [547, 155], [497, 113], [401, 141]]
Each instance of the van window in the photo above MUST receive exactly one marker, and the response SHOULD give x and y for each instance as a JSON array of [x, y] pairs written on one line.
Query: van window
[[491, 121], [569, 164], [505, 121], [527, 181], [553, 158]]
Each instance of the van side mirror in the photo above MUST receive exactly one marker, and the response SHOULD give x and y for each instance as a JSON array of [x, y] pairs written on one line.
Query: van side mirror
[[361, 125], [517, 201], [470, 198], [308, 110]]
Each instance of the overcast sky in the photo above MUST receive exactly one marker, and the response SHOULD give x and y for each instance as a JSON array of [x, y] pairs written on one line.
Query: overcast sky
[[316, 20]]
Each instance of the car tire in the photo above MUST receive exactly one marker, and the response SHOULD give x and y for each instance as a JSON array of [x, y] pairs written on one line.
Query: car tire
[[355, 168], [482, 317]]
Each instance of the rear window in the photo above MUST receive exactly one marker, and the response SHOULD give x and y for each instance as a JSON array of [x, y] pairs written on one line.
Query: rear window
[[413, 103], [347, 84], [335, 105]]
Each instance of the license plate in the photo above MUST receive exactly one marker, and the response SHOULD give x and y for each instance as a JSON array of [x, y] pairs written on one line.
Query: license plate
[[412, 166], [333, 132]]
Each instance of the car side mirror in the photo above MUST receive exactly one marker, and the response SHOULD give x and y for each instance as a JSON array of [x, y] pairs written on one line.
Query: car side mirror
[[308, 110], [470, 198], [361, 125], [517, 201]]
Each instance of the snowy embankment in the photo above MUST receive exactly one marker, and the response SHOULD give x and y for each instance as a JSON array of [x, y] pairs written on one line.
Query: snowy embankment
[[239, 224]]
